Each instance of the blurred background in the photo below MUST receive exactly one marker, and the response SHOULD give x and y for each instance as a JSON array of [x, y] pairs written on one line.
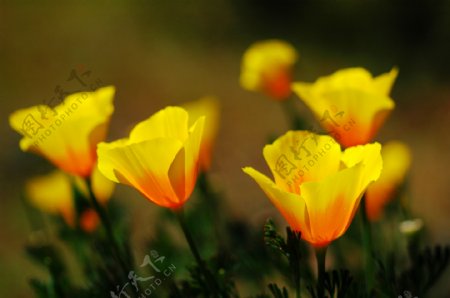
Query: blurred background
[[159, 53]]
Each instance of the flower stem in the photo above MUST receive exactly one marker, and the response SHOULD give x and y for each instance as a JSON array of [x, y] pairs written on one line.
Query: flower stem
[[367, 244], [295, 121], [320, 256], [294, 255], [209, 279], [212, 200], [297, 284], [107, 226]]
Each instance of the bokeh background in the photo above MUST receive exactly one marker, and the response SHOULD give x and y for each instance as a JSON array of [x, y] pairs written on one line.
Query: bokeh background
[[160, 52]]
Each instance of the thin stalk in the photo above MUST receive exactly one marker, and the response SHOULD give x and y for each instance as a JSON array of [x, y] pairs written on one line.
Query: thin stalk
[[107, 226], [295, 121], [294, 252], [320, 256], [368, 246], [211, 200], [297, 283], [209, 279], [57, 284]]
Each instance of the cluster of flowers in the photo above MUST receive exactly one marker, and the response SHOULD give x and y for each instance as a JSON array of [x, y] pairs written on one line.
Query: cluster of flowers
[[319, 180], [317, 186], [161, 158]]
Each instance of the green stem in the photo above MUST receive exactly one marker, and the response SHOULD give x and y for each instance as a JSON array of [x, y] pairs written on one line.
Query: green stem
[[297, 284], [296, 122], [212, 200], [209, 279], [321, 253], [108, 227], [294, 252], [368, 246], [57, 284]]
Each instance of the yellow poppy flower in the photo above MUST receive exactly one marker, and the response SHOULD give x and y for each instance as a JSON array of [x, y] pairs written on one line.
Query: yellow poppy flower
[[53, 194], [102, 187], [350, 104], [67, 135], [267, 67], [208, 107], [160, 158], [317, 187], [396, 162]]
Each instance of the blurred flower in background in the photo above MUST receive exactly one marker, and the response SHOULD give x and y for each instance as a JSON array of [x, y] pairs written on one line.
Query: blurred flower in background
[[350, 104], [102, 187], [160, 158], [317, 187], [67, 134], [267, 67], [396, 163], [54, 193], [209, 107]]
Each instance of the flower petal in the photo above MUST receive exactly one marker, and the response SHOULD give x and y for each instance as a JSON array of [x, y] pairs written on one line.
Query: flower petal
[[102, 187], [333, 201], [171, 122], [143, 165], [383, 83], [331, 204], [192, 147], [396, 162], [208, 107], [52, 193], [350, 104], [67, 134], [184, 169], [300, 156], [266, 66], [369, 155], [290, 205]]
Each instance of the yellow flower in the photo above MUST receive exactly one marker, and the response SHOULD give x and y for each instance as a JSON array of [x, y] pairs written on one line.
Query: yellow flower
[[396, 162], [102, 187], [317, 187], [267, 67], [208, 107], [160, 158], [350, 104], [67, 135], [53, 193]]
